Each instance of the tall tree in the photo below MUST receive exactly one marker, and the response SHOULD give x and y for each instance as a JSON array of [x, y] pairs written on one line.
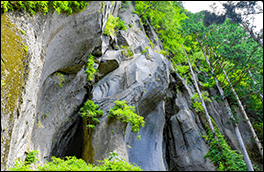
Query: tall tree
[[239, 138], [244, 113], [239, 12]]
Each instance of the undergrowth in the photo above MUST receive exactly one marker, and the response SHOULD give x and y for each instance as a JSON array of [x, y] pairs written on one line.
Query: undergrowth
[[113, 163], [224, 158]]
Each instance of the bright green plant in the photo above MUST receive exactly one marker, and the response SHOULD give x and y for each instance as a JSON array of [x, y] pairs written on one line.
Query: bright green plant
[[90, 70], [113, 163], [31, 157], [25, 166], [2, 82], [122, 111], [23, 32], [259, 129], [26, 48], [224, 158], [61, 78], [126, 51], [196, 101], [91, 110], [113, 24], [116, 163], [144, 51], [68, 7]]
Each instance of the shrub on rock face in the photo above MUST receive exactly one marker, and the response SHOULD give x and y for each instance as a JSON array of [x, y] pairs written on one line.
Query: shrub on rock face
[[122, 111], [90, 110], [114, 23], [90, 70]]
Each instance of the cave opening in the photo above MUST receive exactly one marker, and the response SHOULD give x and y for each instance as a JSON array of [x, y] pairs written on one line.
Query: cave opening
[[75, 145], [70, 143]]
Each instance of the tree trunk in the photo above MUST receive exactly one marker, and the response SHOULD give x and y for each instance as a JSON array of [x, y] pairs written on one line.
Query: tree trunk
[[240, 140], [200, 96], [251, 76], [252, 35], [244, 113]]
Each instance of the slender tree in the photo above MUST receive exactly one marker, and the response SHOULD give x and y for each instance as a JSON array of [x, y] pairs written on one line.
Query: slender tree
[[200, 95], [243, 112], [239, 138]]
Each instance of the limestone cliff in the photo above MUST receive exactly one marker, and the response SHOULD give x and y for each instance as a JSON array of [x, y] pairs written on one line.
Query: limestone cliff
[[43, 116]]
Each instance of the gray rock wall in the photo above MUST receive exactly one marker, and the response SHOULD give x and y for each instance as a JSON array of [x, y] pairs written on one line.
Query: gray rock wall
[[49, 121]]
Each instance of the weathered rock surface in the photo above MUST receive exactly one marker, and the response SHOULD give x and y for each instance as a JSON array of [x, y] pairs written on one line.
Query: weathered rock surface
[[56, 88], [56, 43]]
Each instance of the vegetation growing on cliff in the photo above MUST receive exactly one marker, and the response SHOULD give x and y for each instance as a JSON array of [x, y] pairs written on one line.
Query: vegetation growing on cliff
[[90, 70], [113, 163], [113, 24], [91, 110], [224, 158], [225, 44], [68, 7], [122, 111]]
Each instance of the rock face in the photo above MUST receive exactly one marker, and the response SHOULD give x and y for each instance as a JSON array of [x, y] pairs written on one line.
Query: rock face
[[47, 118]]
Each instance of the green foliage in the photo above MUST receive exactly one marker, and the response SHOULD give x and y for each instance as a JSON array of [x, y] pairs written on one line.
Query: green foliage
[[31, 157], [45, 115], [259, 129], [113, 163], [23, 32], [25, 166], [2, 82], [196, 101], [122, 111], [26, 48], [145, 50], [90, 70], [116, 163], [61, 78], [113, 24], [126, 51], [139, 137], [91, 110], [68, 7], [164, 53], [223, 158]]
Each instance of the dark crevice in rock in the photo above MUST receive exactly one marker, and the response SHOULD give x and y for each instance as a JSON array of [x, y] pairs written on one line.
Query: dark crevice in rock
[[71, 142], [61, 146], [76, 144], [170, 110]]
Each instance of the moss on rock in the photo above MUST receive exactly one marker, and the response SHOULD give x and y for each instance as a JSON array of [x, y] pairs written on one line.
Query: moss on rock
[[12, 57]]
